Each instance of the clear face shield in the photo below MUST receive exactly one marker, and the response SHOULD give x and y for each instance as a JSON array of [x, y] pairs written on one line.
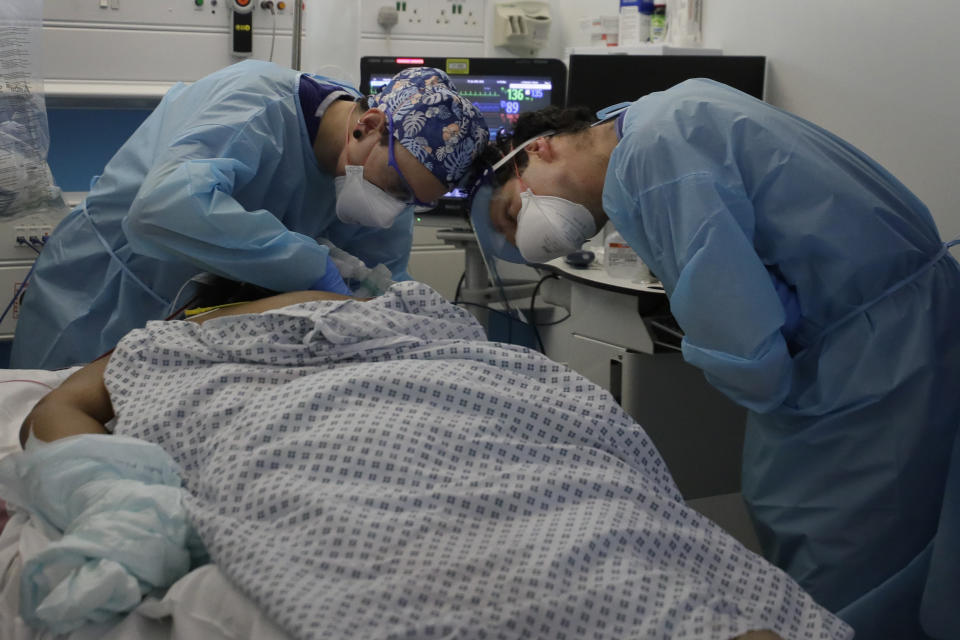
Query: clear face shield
[[491, 247], [493, 244], [411, 198]]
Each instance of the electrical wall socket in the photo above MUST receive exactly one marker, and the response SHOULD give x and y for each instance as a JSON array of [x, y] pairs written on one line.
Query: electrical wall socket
[[445, 19], [11, 277], [28, 231]]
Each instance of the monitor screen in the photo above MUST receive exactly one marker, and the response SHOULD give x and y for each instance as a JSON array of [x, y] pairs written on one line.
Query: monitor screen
[[598, 81], [501, 99], [501, 88]]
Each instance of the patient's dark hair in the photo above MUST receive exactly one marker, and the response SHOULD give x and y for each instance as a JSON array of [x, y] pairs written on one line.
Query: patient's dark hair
[[564, 120]]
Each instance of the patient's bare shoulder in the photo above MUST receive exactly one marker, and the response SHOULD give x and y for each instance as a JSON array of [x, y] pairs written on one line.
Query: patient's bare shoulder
[[759, 635], [272, 302]]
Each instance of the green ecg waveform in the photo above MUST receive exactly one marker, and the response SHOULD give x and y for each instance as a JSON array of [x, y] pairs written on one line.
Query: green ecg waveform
[[479, 94]]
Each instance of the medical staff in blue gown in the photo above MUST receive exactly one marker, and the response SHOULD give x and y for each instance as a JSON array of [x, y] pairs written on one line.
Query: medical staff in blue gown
[[813, 288], [240, 175]]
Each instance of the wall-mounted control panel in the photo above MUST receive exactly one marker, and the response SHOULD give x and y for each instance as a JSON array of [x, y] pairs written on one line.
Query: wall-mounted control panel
[[161, 40]]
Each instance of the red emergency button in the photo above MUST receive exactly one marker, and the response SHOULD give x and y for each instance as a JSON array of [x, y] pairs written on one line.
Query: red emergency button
[[242, 3]]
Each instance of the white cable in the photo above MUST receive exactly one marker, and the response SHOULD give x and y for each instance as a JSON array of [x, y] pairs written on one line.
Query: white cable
[[176, 298], [273, 38]]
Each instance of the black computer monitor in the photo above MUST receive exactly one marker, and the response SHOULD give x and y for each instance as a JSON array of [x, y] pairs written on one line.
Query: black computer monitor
[[501, 88], [598, 81]]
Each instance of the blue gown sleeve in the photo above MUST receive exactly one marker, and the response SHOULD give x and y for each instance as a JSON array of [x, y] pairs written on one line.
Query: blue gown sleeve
[[697, 237], [185, 211]]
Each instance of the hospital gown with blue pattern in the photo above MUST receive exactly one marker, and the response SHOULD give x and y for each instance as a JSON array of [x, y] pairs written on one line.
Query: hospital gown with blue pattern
[[379, 470]]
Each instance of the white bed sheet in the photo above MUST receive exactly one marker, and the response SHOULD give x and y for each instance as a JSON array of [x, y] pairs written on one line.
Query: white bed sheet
[[202, 604]]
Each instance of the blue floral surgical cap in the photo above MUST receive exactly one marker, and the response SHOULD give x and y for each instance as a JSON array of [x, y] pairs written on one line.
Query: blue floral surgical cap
[[442, 130]]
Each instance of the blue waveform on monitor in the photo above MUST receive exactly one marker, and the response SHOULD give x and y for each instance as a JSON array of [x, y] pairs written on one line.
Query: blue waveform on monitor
[[487, 107]]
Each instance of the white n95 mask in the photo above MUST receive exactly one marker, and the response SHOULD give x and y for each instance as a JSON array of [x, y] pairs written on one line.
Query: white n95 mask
[[549, 227], [361, 202]]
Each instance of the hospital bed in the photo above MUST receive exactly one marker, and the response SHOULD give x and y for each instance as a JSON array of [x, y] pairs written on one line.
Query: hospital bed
[[202, 604], [191, 601], [462, 489]]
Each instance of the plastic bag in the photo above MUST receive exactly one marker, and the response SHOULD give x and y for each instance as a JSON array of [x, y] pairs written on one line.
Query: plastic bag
[[26, 183], [362, 280], [118, 504], [684, 23]]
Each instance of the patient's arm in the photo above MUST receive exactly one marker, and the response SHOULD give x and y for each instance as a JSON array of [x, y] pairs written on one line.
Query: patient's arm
[[79, 405], [82, 405]]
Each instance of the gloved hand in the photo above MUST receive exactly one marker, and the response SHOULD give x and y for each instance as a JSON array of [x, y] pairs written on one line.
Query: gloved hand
[[365, 282], [790, 301], [331, 280]]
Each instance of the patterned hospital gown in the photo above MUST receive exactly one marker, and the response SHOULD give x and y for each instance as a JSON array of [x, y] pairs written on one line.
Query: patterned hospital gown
[[379, 470]]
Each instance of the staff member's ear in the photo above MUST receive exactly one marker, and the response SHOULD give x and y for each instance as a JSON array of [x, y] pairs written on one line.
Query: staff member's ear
[[372, 121]]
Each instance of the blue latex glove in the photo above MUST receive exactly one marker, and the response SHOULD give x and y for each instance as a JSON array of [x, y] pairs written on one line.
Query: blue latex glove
[[790, 302], [331, 281]]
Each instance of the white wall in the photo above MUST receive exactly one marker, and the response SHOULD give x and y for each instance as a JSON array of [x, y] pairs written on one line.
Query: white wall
[[331, 45], [884, 75]]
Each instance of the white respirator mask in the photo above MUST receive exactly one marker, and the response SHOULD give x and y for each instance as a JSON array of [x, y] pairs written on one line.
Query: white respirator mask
[[361, 202], [549, 227]]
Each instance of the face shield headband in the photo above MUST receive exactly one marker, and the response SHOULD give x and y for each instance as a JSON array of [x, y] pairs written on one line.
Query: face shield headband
[[609, 113]]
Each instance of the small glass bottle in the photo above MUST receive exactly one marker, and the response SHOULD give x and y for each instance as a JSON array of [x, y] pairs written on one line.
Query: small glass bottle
[[619, 259], [658, 22]]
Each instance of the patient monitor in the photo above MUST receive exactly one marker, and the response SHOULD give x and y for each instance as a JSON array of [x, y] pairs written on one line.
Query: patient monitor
[[501, 88]]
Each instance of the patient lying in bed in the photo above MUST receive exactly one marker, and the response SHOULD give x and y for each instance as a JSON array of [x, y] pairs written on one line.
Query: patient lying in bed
[[377, 469]]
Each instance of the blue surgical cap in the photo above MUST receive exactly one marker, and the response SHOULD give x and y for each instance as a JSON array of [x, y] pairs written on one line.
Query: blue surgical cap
[[442, 129]]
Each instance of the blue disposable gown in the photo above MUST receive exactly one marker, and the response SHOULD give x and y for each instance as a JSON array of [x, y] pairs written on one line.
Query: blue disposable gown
[[813, 289], [220, 178]]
